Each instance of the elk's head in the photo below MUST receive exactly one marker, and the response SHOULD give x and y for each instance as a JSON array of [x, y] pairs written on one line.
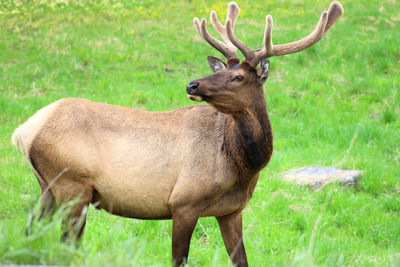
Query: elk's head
[[233, 85]]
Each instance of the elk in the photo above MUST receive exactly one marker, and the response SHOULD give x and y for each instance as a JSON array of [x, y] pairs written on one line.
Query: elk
[[197, 161]]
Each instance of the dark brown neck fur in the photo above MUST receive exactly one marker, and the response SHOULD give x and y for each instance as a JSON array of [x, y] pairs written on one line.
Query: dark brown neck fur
[[248, 137]]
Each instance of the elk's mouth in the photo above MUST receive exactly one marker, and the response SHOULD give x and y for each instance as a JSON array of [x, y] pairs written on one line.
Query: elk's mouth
[[197, 98]]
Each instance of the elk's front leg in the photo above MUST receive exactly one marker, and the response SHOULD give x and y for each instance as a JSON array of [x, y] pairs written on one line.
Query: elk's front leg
[[183, 223], [194, 191], [231, 230]]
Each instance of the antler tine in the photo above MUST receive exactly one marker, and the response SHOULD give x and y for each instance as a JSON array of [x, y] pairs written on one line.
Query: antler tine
[[246, 51], [196, 24], [227, 49], [268, 35], [335, 11], [233, 12], [201, 29], [268, 46]]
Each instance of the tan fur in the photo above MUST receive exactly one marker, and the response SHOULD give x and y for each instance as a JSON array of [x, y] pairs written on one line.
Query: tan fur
[[25, 133], [133, 158]]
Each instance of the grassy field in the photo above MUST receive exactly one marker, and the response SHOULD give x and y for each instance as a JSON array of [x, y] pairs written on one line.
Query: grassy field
[[336, 104]]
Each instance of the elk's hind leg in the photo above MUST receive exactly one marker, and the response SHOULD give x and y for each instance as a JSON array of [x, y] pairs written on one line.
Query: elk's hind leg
[[74, 196], [45, 207], [70, 188]]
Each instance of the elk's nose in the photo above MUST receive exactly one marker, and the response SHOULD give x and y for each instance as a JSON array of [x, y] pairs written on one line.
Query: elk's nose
[[191, 87]]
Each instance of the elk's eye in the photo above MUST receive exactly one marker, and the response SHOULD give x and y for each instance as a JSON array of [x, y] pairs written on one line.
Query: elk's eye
[[238, 78]]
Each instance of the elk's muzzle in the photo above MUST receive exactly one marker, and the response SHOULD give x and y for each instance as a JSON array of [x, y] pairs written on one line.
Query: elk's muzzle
[[191, 91]]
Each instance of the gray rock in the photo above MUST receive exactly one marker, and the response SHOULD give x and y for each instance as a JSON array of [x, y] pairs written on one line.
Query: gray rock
[[317, 177]]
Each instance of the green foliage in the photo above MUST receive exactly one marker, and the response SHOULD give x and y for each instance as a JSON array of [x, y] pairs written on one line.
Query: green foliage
[[338, 103]]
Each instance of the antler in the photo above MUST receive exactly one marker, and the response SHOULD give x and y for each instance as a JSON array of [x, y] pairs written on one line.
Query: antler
[[326, 21], [227, 49]]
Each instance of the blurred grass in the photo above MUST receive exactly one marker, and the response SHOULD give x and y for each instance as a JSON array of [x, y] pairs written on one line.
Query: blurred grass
[[338, 103]]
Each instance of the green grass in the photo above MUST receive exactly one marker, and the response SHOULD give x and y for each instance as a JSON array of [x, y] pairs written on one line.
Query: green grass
[[336, 104]]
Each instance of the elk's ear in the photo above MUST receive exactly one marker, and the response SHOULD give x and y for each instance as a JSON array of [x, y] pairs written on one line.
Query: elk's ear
[[263, 71], [216, 64]]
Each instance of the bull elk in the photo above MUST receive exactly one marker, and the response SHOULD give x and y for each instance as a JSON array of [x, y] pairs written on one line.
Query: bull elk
[[206, 162]]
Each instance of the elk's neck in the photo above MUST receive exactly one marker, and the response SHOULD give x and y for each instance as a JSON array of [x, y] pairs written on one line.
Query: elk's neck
[[248, 137]]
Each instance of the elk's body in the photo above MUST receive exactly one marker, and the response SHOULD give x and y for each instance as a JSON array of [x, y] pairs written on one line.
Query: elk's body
[[181, 164], [107, 150]]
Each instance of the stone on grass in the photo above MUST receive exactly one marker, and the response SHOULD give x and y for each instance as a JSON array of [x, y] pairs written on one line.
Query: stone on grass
[[317, 177]]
